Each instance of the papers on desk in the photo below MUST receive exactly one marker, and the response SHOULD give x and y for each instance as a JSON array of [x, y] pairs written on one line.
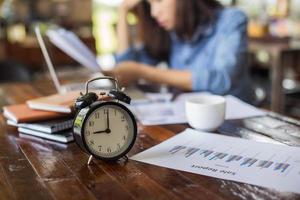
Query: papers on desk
[[160, 113], [237, 109], [229, 158], [69, 43]]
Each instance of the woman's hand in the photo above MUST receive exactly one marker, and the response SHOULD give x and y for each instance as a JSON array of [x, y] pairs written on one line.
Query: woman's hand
[[126, 72], [129, 72], [128, 5]]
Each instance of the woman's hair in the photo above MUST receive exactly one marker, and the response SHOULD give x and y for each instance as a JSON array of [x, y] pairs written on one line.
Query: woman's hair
[[189, 15]]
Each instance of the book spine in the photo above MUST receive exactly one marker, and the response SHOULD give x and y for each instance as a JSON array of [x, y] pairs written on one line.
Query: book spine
[[62, 126]]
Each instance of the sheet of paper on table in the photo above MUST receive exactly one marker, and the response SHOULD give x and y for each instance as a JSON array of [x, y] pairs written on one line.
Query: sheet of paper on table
[[167, 112], [247, 161]]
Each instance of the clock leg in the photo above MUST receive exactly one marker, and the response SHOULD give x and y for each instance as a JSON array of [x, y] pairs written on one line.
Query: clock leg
[[123, 160], [90, 160]]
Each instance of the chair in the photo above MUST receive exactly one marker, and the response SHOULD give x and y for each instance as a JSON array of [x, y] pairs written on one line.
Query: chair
[[260, 80], [291, 63]]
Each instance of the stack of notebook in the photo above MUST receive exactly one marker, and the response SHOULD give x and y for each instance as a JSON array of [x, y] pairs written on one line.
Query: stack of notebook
[[47, 117]]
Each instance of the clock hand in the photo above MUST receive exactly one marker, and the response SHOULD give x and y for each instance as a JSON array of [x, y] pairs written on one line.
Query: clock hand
[[105, 131], [107, 119]]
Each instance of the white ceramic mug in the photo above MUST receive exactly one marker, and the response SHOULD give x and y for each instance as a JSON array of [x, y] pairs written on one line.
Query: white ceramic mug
[[205, 112]]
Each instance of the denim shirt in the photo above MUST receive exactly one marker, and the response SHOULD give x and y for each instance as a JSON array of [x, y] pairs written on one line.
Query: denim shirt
[[215, 55]]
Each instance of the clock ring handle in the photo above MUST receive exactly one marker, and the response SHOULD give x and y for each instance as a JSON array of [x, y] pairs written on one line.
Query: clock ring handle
[[116, 83]]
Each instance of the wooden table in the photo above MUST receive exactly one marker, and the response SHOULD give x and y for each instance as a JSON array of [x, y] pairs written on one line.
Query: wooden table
[[34, 168]]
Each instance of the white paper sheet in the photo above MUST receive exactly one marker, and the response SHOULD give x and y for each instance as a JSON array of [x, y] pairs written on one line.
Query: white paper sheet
[[238, 109], [69, 43], [161, 113], [229, 158]]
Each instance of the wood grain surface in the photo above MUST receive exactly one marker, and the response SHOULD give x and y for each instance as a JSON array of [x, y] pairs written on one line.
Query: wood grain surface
[[34, 168]]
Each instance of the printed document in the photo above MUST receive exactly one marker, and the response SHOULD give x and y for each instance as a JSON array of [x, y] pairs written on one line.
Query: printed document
[[247, 161], [167, 112]]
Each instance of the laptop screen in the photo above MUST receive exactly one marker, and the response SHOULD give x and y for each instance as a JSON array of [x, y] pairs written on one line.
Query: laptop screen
[[48, 60]]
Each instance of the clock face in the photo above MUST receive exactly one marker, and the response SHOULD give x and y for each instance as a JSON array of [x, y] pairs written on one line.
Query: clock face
[[109, 131]]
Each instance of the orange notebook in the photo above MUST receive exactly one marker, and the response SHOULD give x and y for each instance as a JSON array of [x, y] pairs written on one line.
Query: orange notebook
[[21, 113], [62, 103]]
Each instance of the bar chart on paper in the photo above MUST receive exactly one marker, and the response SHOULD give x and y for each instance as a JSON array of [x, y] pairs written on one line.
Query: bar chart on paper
[[225, 160], [263, 164]]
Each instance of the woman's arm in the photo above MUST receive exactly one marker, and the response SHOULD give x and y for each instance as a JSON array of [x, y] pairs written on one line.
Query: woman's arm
[[122, 25], [181, 79], [122, 30], [129, 72]]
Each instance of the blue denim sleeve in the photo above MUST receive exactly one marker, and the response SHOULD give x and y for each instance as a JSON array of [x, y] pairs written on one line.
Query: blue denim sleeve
[[136, 54], [227, 61]]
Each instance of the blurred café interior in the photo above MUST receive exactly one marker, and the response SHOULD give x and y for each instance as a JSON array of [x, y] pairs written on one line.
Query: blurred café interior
[[273, 42]]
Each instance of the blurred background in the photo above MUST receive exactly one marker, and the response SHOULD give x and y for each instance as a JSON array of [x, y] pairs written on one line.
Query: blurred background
[[273, 30]]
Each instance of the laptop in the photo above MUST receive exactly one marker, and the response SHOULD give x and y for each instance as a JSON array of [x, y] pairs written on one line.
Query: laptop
[[105, 85], [53, 74]]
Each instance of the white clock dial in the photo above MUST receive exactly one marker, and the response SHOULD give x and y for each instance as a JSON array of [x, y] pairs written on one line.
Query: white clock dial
[[109, 131]]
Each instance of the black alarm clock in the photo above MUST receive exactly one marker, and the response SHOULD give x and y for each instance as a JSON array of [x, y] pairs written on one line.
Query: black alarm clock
[[104, 127]]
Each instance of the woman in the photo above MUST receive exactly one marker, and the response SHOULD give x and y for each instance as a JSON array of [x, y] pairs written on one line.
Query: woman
[[203, 43]]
